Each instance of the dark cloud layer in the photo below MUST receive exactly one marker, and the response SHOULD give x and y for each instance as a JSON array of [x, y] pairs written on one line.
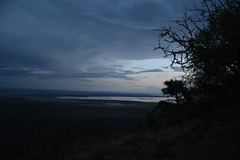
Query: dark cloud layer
[[92, 72], [74, 38]]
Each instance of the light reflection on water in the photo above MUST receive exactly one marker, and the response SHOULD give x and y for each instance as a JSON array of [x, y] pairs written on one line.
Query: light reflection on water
[[118, 98]]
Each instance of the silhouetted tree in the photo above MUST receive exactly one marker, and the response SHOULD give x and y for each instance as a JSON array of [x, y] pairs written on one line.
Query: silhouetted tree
[[176, 88], [206, 43]]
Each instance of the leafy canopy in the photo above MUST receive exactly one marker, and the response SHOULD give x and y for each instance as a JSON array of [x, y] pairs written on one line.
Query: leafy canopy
[[176, 88], [206, 43]]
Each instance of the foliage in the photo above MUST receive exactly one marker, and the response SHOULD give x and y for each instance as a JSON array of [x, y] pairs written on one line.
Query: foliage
[[169, 114], [178, 89], [206, 43]]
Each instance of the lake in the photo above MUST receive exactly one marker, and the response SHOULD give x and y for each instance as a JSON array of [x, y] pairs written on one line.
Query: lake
[[119, 98]]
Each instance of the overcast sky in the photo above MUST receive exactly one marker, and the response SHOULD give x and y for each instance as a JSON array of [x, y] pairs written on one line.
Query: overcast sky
[[87, 45]]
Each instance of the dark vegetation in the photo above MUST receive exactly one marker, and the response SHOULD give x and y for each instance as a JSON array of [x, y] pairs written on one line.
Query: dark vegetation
[[208, 50]]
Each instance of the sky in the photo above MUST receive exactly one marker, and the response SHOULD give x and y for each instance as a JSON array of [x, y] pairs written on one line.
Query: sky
[[86, 45]]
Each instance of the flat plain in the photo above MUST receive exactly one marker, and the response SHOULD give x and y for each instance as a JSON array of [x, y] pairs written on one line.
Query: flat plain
[[40, 124]]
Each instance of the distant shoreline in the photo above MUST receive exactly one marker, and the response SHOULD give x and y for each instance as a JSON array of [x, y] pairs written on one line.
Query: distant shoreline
[[65, 93], [119, 98]]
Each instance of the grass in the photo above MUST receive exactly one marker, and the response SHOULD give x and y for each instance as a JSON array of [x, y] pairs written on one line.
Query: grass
[[197, 138], [148, 145]]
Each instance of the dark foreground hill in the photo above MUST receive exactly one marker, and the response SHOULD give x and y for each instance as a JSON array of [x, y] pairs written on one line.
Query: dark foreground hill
[[48, 129], [214, 136], [42, 127]]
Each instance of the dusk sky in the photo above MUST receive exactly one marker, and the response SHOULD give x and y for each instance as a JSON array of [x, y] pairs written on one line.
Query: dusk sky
[[85, 45]]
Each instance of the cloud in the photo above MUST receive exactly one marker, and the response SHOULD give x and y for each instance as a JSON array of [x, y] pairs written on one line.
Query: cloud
[[107, 72], [101, 69], [176, 69], [114, 75], [60, 27], [137, 14], [21, 71], [150, 71], [93, 72], [80, 40], [165, 67]]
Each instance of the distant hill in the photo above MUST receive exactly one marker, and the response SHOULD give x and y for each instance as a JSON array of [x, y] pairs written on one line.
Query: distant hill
[[56, 93]]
